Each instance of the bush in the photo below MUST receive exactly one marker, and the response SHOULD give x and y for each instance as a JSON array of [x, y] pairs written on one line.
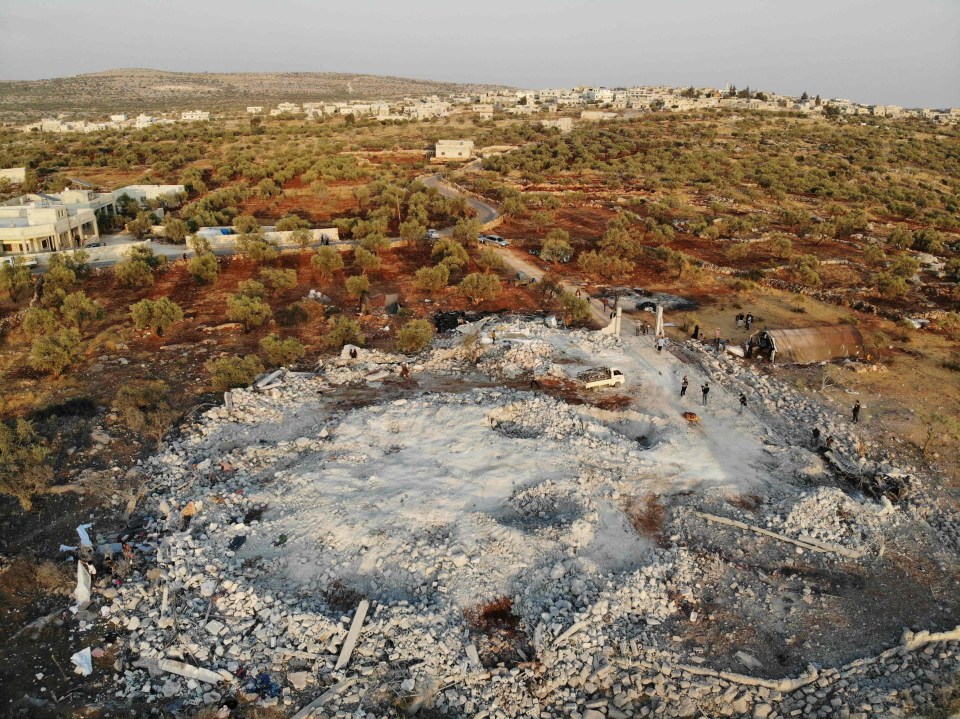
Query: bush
[[478, 287], [175, 229], [78, 309], [246, 224], [204, 268], [15, 278], [489, 260], [134, 273], [738, 251], [155, 315], [24, 462], [327, 261], [229, 372], [251, 288], [250, 311], [53, 353], [279, 280], [343, 331], [301, 237], [357, 285], [450, 253], [293, 314], [889, 285], [781, 246], [375, 243], [257, 247], [606, 266], [414, 336], [40, 321], [366, 261], [282, 352], [904, 265], [804, 269], [144, 407], [432, 279], [556, 249], [575, 309]]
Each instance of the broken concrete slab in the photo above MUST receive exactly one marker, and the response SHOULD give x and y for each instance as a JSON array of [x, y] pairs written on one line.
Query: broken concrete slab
[[352, 635]]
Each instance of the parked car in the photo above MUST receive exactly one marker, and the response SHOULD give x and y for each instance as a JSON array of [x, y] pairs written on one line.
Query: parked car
[[27, 261], [497, 240], [433, 234], [96, 244]]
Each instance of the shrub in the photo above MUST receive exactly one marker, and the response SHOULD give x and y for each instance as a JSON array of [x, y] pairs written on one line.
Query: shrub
[[293, 314], [556, 249], [450, 253], [40, 321], [738, 251], [279, 280], [375, 243], [478, 287], [606, 266], [282, 352], [175, 229], [134, 273], [366, 261], [15, 278], [292, 222], [950, 323], [781, 246], [257, 247], [357, 285], [250, 311], [889, 285], [489, 260], [466, 231], [343, 331], [246, 224], [575, 309], [327, 261], [804, 269], [414, 336], [251, 288], [58, 282], [24, 462], [900, 238], [229, 372], [432, 279], [204, 268], [144, 407], [199, 244], [55, 352], [78, 309], [904, 265], [301, 237], [155, 315]]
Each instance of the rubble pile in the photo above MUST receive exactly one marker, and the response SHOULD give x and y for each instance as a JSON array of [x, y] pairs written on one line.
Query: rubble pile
[[483, 552]]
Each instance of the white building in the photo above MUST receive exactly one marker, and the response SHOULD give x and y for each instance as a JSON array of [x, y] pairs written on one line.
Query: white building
[[254, 109], [288, 107], [454, 149], [143, 193], [195, 115], [564, 124], [597, 115], [143, 121], [29, 225]]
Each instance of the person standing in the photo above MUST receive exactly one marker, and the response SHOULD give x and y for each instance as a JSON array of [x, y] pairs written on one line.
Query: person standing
[[743, 403], [684, 383], [749, 320], [661, 343], [856, 412], [636, 330], [705, 389], [696, 332]]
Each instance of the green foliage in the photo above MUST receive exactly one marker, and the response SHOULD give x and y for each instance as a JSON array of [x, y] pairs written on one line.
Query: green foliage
[[302, 237], [478, 287], [357, 285], [413, 230], [414, 336], [144, 407], [738, 251], [292, 222], [889, 284], [294, 314], [247, 225], [156, 315], [199, 244], [282, 352], [327, 261], [134, 273], [903, 265], [466, 230], [252, 288], [781, 246], [805, 270], [342, 331], [40, 320], [575, 309], [141, 226], [279, 280], [874, 254], [204, 268], [375, 242], [540, 220], [255, 246], [366, 261], [605, 266], [15, 278], [24, 462], [901, 238], [928, 240], [78, 309], [250, 311], [556, 247], [229, 372], [54, 352], [432, 279], [490, 260], [450, 253], [175, 229]]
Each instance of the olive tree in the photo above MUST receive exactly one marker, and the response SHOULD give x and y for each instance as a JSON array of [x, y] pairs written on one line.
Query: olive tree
[[414, 336], [249, 311], [78, 309], [478, 287], [54, 352], [25, 470], [327, 261], [15, 278], [282, 352]]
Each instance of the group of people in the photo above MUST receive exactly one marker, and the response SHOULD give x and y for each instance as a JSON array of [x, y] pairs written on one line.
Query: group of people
[[744, 320]]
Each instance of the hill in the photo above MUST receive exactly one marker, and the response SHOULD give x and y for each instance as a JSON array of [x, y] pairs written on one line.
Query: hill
[[135, 90]]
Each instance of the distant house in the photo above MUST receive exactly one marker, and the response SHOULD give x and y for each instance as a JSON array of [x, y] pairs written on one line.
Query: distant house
[[254, 109], [454, 149], [48, 223], [195, 115], [564, 124], [142, 193]]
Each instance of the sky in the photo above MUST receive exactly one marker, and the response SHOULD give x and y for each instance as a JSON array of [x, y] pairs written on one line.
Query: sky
[[904, 52]]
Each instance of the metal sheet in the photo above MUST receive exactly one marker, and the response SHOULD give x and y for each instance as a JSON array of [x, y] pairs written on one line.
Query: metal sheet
[[817, 344]]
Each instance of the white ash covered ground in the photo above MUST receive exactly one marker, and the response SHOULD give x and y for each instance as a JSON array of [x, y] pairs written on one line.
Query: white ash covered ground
[[528, 553]]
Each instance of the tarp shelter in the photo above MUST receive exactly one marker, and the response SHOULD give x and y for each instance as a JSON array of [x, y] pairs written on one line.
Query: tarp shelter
[[808, 344]]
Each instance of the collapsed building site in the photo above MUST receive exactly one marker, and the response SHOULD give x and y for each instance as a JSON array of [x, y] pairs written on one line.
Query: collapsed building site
[[477, 531]]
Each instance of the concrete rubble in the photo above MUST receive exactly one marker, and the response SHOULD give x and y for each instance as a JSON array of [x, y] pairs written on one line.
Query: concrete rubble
[[477, 551]]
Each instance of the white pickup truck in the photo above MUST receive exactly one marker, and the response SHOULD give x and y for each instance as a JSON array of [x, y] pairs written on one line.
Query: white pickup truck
[[601, 377]]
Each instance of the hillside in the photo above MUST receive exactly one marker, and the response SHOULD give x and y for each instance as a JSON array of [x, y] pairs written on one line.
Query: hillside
[[133, 90]]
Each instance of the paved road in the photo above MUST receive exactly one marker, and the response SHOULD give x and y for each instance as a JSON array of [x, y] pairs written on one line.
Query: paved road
[[485, 212]]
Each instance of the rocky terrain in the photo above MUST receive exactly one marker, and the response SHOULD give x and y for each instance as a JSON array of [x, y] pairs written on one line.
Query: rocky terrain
[[394, 534]]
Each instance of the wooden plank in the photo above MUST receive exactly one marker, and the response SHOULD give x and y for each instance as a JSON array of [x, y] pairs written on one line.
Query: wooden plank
[[353, 634]]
